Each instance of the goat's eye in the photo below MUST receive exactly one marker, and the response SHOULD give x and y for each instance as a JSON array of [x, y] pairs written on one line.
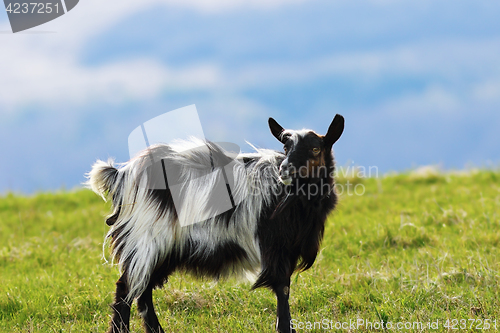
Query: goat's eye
[[316, 151], [285, 149]]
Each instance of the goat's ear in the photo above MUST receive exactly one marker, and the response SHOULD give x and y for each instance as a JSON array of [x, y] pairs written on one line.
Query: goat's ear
[[276, 129], [334, 131]]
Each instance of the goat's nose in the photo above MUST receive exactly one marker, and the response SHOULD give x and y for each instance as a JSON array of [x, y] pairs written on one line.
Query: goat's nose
[[285, 167], [285, 173]]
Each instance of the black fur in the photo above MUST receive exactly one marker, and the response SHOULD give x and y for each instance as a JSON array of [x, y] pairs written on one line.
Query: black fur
[[289, 230]]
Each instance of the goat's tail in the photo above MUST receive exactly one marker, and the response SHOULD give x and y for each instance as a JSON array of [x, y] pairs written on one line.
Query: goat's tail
[[102, 179]]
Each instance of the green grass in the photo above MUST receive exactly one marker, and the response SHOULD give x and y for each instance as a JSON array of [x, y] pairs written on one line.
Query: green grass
[[411, 248]]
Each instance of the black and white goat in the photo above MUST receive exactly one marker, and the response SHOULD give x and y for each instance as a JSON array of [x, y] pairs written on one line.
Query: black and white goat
[[274, 230]]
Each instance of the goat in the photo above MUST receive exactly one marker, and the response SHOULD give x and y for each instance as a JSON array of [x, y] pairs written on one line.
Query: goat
[[270, 234]]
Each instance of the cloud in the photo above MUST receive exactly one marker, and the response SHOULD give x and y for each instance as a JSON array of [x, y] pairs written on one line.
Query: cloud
[[34, 74], [448, 59], [434, 99], [52, 80], [93, 16], [488, 91], [212, 6], [46, 68]]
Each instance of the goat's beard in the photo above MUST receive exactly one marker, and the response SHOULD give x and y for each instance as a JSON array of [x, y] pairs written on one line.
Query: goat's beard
[[286, 181]]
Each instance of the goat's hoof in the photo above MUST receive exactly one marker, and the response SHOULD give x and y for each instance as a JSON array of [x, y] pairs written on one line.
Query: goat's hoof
[[285, 330]]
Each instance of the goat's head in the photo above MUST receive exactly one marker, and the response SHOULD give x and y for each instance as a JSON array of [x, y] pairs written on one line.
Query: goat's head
[[308, 154]]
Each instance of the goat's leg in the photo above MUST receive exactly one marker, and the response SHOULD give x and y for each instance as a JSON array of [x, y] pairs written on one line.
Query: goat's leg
[[121, 308], [282, 291], [147, 311]]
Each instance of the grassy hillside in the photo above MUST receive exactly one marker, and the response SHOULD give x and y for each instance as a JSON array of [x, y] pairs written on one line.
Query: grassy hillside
[[412, 248]]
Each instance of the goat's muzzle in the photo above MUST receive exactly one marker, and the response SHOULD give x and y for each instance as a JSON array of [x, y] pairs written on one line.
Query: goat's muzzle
[[287, 171]]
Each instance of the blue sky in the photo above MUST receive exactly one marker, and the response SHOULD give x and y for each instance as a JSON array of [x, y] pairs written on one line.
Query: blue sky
[[418, 82]]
